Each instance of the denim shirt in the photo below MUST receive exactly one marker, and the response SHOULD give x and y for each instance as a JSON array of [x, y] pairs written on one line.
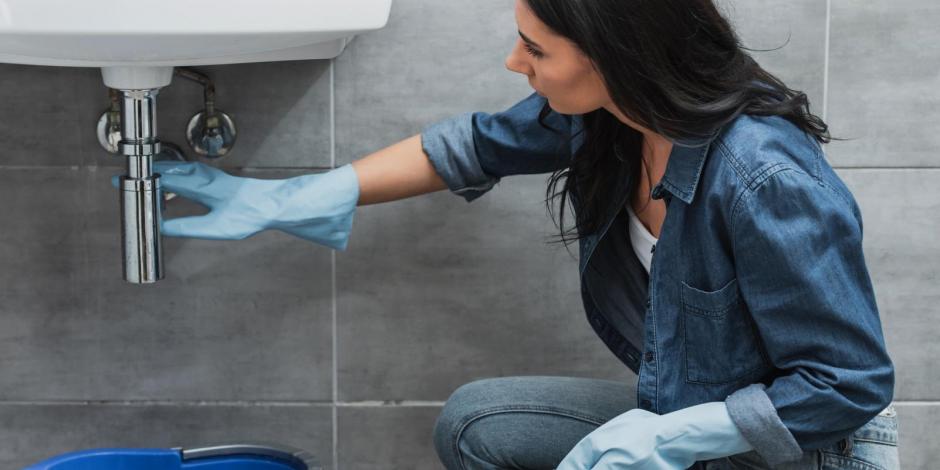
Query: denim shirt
[[758, 294]]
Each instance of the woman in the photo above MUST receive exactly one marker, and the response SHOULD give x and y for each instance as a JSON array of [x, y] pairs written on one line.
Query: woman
[[721, 256]]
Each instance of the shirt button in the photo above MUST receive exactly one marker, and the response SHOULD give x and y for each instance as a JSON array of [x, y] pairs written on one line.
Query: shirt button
[[648, 356], [648, 303], [653, 249], [646, 404]]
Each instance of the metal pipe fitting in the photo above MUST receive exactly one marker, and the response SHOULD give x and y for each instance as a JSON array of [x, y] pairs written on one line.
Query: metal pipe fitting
[[140, 188]]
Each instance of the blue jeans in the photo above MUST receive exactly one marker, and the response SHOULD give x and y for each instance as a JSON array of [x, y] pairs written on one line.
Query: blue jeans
[[532, 422]]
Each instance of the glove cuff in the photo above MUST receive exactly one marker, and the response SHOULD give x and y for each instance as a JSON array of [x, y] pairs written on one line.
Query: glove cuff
[[319, 207]]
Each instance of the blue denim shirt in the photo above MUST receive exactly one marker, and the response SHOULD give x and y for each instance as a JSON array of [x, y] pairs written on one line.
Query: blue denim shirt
[[758, 294]]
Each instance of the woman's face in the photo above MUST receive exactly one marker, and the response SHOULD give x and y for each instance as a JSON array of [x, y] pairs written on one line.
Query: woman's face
[[560, 72], [556, 68]]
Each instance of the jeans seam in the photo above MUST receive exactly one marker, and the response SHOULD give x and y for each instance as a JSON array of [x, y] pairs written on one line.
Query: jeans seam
[[515, 408], [876, 441], [852, 461]]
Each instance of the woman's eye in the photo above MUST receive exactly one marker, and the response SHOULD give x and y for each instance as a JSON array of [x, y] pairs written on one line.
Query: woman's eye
[[532, 52]]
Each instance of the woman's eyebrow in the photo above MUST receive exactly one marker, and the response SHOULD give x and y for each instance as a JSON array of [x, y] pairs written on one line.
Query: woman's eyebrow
[[526, 39]]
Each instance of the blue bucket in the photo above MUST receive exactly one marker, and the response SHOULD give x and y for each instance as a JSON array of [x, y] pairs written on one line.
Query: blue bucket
[[224, 457]]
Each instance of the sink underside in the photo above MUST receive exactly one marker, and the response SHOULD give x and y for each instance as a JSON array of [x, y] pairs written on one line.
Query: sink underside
[[109, 33], [159, 52]]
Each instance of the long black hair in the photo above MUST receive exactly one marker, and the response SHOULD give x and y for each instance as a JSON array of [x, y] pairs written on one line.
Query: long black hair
[[676, 67]]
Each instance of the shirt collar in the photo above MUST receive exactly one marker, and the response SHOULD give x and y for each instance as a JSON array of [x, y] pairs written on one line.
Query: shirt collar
[[684, 168]]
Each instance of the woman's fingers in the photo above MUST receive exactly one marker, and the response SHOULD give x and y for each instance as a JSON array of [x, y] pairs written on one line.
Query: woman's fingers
[[192, 180], [210, 227], [197, 226]]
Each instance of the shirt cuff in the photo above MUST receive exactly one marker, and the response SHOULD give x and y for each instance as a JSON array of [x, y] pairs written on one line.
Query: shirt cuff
[[450, 148], [754, 414]]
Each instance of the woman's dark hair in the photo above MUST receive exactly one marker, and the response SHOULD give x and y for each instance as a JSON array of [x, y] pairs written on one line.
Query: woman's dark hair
[[676, 67]]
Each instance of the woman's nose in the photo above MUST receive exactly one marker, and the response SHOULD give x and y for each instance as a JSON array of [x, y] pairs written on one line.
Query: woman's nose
[[516, 62]]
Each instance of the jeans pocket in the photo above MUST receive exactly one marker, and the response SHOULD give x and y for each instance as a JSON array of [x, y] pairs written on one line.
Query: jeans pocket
[[865, 456], [874, 446], [721, 344]]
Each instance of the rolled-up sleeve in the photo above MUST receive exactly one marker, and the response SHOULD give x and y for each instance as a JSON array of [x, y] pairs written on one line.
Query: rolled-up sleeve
[[797, 244], [473, 151]]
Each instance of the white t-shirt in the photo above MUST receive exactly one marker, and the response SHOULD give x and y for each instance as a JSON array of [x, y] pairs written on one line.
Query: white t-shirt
[[641, 239]]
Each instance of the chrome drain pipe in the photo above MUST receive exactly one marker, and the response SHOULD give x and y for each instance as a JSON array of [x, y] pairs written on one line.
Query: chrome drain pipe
[[140, 188]]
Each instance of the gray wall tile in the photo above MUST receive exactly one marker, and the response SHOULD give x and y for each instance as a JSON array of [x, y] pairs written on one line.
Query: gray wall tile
[[768, 24], [884, 73], [433, 60], [39, 119], [32, 433], [435, 292], [281, 111], [917, 440], [387, 438], [246, 319], [899, 209]]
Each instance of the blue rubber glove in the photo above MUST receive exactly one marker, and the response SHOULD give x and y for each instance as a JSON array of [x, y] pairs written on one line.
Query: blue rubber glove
[[640, 440], [316, 207]]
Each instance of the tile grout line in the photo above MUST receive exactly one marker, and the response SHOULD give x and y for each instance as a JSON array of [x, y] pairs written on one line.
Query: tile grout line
[[396, 404], [116, 170], [288, 404], [335, 392], [825, 113], [194, 403], [332, 114], [231, 403], [320, 168]]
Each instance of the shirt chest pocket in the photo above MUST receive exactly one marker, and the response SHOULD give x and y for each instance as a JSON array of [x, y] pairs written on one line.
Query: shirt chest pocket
[[721, 344]]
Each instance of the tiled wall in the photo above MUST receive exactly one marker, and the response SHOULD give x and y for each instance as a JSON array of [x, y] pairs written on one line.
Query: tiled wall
[[350, 355]]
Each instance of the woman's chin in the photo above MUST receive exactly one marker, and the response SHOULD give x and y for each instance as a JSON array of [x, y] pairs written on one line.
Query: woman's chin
[[555, 106]]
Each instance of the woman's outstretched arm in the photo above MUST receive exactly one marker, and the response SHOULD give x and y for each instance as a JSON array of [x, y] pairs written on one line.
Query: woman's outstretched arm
[[398, 171]]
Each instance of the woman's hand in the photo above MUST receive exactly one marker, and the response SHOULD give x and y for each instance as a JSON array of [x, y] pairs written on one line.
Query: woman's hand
[[640, 440], [316, 207]]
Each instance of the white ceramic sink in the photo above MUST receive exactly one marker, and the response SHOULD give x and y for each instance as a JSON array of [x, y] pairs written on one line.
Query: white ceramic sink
[[165, 33]]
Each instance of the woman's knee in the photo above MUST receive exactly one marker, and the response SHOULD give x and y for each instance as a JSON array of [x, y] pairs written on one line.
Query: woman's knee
[[465, 404], [545, 416]]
